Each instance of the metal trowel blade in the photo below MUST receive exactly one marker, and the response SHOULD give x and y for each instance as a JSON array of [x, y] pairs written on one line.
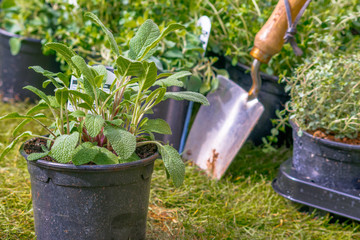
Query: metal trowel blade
[[219, 130]]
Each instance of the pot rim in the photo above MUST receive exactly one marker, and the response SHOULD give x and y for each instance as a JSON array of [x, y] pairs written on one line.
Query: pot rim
[[329, 143], [11, 35], [89, 168]]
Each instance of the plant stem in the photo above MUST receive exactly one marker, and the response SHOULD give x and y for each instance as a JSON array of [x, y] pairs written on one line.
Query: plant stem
[[46, 128]]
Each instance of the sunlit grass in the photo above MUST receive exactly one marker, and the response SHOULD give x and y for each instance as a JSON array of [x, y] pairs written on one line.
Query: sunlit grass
[[240, 206]]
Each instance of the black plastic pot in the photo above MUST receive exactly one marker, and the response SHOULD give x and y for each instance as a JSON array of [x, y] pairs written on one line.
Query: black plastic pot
[[14, 72], [272, 95], [322, 174], [91, 202]]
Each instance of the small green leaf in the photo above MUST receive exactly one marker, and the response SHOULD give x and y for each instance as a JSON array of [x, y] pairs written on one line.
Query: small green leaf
[[173, 79], [134, 157], [144, 37], [158, 126], [64, 147], [116, 122], [66, 52], [77, 113], [88, 99], [14, 142], [105, 157], [16, 115], [94, 124], [84, 69], [186, 95], [173, 164], [36, 156], [38, 92], [15, 45], [62, 95], [110, 36], [86, 153], [150, 75], [122, 141], [146, 52], [20, 126], [128, 67]]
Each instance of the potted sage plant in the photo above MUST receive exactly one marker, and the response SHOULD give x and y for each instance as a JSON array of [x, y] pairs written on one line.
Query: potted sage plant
[[324, 171], [91, 175]]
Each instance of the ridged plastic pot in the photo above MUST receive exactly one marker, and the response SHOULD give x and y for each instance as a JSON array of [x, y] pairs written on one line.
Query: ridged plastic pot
[[92, 202], [14, 72], [326, 163]]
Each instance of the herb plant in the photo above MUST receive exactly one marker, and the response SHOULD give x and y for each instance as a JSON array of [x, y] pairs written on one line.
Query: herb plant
[[325, 94], [106, 126]]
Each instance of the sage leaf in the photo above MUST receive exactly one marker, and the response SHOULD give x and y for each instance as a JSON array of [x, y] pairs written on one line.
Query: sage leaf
[[64, 147], [173, 164], [173, 79], [187, 95], [128, 67], [62, 95], [38, 92], [84, 69], [122, 141], [20, 126], [77, 113], [66, 52], [150, 75], [94, 124], [15, 45], [110, 36], [134, 157], [157, 125], [144, 37], [14, 142], [36, 156], [105, 157], [16, 115]]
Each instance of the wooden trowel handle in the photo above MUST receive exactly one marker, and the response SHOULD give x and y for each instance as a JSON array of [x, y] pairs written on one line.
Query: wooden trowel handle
[[270, 39]]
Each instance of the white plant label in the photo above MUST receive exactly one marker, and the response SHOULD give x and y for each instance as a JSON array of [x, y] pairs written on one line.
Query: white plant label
[[205, 24], [109, 80]]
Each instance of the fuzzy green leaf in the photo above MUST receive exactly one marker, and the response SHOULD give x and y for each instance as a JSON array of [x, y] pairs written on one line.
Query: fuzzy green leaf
[[86, 153], [110, 36], [134, 157], [16, 115], [38, 92], [173, 79], [116, 122], [15, 45], [36, 156], [66, 52], [62, 95], [94, 124], [88, 99], [20, 126], [64, 147], [187, 95], [128, 67], [14, 142], [157, 125], [105, 157], [122, 141], [77, 113], [172, 27], [84, 69], [150, 75], [173, 164], [144, 37]]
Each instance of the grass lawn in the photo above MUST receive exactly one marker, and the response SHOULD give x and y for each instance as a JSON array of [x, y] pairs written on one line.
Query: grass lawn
[[240, 206]]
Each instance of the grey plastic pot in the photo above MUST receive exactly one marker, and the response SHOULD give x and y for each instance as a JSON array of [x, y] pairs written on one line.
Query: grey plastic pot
[[327, 163], [14, 72], [92, 202]]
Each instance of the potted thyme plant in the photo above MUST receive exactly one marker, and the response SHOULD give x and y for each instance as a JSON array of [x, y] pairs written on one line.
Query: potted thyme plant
[[324, 171], [91, 175]]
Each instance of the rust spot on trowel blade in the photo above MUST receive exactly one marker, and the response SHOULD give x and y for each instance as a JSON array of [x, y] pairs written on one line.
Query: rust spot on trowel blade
[[211, 163]]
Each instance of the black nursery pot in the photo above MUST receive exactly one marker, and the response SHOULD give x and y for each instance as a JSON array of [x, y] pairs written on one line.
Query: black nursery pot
[[327, 163], [14, 72], [92, 202], [272, 95]]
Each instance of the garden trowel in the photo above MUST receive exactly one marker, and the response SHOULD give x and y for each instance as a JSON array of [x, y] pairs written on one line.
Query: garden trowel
[[219, 130]]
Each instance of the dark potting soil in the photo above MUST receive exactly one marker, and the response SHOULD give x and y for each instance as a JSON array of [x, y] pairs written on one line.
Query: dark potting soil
[[34, 146], [331, 137]]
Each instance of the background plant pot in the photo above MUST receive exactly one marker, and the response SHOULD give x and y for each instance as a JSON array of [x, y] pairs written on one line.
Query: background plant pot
[[90, 202], [174, 113], [14, 72], [322, 174], [272, 95]]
